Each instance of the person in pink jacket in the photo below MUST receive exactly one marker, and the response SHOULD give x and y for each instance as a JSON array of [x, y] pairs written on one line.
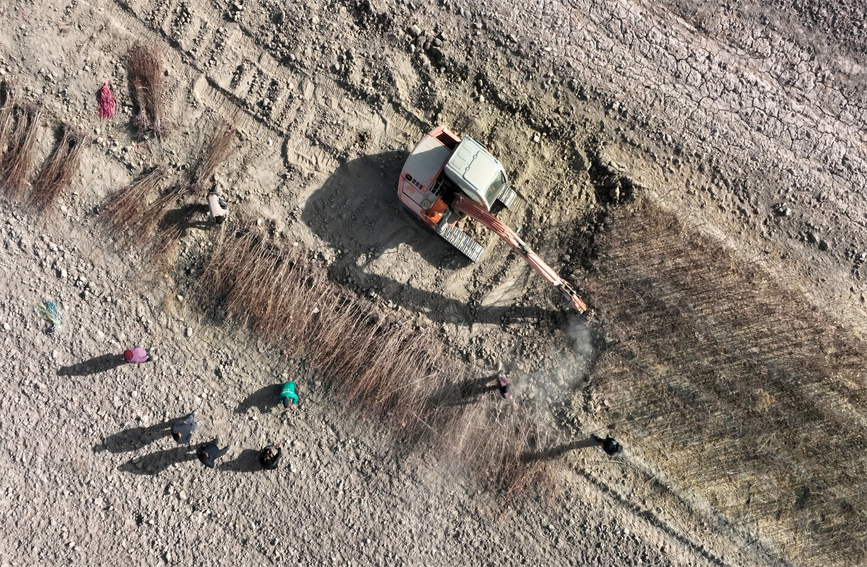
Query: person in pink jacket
[[136, 355]]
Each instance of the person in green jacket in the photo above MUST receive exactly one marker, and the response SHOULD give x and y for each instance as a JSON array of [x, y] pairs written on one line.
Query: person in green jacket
[[288, 395]]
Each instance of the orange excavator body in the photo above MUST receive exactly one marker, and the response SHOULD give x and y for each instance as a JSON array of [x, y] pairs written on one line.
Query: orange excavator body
[[421, 171]]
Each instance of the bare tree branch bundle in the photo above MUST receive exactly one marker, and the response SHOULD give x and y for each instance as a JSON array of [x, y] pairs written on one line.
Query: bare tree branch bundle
[[124, 207], [381, 367], [18, 159], [7, 103], [59, 169], [146, 85], [218, 151]]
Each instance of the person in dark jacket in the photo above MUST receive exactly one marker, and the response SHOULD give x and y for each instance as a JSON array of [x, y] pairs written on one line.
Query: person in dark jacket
[[609, 445], [270, 456], [183, 429], [207, 454]]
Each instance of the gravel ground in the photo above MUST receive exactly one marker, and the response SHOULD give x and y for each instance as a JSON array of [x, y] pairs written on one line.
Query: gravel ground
[[747, 122]]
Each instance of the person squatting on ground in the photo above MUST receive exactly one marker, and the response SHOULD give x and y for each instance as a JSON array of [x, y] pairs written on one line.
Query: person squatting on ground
[[183, 429], [217, 206], [270, 456], [207, 454], [137, 355], [288, 396], [609, 445], [503, 386]]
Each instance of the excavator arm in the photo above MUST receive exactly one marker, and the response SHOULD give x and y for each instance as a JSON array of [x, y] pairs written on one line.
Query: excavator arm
[[471, 209]]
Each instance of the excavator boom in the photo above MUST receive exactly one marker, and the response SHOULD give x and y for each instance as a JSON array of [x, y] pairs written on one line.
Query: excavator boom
[[471, 209]]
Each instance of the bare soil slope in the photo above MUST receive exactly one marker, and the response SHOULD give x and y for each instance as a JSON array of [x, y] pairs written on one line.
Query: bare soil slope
[[696, 170]]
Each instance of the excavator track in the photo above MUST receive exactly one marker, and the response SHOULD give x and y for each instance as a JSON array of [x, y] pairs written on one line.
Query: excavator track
[[507, 197], [460, 240]]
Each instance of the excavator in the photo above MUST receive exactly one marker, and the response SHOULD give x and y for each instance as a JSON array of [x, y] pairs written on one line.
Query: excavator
[[447, 178]]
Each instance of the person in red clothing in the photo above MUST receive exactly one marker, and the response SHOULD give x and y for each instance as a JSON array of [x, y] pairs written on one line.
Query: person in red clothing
[[503, 386], [137, 355]]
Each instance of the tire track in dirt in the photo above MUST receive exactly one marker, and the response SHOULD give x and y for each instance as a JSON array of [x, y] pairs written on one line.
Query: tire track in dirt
[[734, 386]]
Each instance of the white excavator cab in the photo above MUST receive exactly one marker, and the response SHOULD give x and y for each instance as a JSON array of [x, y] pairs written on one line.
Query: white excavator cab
[[479, 175], [443, 166]]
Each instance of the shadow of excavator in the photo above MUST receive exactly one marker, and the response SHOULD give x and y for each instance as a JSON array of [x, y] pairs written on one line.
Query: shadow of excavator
[[358, 212]]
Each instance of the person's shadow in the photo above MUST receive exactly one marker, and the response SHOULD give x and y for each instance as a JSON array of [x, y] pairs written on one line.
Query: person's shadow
[[159, 461], [191, 215], [463, 393], [133, 438], [554, 452], [247, 461], [264, 399], [95, 365]]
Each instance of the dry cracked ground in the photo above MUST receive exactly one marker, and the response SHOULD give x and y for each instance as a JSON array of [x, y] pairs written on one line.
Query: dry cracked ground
[[696, 169]]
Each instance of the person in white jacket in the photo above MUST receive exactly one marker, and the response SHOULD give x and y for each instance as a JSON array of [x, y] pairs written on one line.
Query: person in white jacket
[[217, 206]]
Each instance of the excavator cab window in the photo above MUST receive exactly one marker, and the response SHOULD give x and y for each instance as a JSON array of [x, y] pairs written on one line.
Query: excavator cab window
[[498, 185], [445, 189]]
